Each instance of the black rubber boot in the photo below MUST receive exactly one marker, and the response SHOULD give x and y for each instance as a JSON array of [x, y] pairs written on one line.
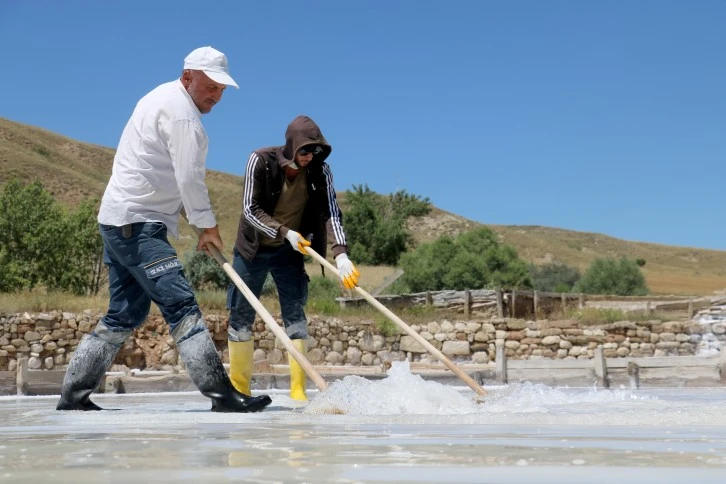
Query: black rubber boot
[[85, 371], [206, 370]]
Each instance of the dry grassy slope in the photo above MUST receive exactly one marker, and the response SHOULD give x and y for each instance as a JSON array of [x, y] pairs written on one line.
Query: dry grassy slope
[[73, 170]]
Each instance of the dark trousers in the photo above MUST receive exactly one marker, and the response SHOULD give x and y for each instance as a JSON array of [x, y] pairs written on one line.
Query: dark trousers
[[288, 271]]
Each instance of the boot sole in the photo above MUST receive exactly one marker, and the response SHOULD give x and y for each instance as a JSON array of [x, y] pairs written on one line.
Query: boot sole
[[257, 406]]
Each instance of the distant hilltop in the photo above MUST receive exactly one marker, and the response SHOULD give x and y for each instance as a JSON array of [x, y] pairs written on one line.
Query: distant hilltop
[[73, 170]]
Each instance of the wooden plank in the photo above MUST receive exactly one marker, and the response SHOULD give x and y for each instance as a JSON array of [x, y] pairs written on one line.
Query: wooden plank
[[163, 383], [544, 364], [7, 383], [665, 361], [45, 382], [571, 377], [681, 376], [336, 370]]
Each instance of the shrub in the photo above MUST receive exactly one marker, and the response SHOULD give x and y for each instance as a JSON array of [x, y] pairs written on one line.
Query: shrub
[[385, 327], [375, 224], [322, 287], [321, 295], [203, 272], [616, 277], [42, 244], [554, 277], [473, 260]]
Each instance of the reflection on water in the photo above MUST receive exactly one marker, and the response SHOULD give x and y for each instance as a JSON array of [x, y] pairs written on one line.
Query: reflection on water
[[401, 429]]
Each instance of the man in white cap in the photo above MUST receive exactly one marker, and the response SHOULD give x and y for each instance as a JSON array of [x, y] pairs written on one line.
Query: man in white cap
[[159, 168]]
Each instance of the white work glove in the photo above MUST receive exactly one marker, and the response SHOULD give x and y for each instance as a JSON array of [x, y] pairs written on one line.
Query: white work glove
[[297, 241], [347, 271]]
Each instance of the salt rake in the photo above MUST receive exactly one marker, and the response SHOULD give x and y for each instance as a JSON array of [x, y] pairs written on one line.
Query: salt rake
[[405, 327], [265, 315]]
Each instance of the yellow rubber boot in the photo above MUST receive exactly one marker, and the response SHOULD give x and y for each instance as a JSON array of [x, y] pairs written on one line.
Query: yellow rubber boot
[[297, 375], [240, 364]]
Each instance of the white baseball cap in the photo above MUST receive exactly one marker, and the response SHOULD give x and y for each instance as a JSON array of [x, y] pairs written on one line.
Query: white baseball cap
[[212, 62]]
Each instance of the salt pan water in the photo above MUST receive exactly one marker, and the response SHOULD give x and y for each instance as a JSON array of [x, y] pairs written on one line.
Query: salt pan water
[[399, 429]]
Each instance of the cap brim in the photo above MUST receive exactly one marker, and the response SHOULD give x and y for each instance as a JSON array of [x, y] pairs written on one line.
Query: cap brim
[[221, 78]]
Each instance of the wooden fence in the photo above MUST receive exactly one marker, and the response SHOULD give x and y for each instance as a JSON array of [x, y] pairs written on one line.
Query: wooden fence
[[670, 371], [615, 372], [533, 304]]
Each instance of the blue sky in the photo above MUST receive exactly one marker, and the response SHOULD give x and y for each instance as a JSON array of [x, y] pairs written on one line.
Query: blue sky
[[605, 117]]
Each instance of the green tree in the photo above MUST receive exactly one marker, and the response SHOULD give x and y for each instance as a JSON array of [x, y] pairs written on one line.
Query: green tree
[[43, 244], [376, 225], [554, 277], [473, 260], [79, 251], [620, 277]]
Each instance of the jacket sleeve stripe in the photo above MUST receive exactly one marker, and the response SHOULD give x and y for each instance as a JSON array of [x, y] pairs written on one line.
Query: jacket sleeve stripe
[[247, 202], [335, 216]]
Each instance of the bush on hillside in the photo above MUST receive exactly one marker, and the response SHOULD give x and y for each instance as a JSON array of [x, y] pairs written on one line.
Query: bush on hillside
[[473, 260], [554, 277], [204, 272], [322, 287], [375, 224], [620, 277], [42, 244]]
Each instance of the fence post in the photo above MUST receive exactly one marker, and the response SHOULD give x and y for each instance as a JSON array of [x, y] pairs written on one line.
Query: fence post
[[690, 309], [513, 308], [722, 365], [500, 304], [467, 304], [601, 368], [21, 376], [535, 303], [429, 299], [501, 371], [581, 301], [648, 311], [634, 374], [563, 297]]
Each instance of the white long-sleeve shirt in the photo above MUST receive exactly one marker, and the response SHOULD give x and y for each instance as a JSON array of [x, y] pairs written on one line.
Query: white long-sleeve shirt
[[160, 164]]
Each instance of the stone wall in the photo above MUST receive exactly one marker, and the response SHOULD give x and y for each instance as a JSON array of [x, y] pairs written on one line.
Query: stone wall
[[48, 340]]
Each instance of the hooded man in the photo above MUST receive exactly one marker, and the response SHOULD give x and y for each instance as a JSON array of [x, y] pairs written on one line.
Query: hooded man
[[159, 168], [288, 192]]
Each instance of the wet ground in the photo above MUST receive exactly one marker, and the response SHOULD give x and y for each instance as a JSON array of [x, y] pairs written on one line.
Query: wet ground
[[400, 429]]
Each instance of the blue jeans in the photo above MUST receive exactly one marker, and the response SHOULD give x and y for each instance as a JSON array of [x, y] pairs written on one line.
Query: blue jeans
[[288, 271], [143, 267]]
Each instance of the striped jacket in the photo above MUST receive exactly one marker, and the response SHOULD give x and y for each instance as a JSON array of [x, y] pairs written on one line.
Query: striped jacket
[[322, 219]]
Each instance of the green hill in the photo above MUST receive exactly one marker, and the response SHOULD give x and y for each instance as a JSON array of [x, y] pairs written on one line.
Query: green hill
[[72, 170]]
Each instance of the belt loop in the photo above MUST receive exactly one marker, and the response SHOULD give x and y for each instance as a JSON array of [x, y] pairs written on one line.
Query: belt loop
[[126, 231]]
